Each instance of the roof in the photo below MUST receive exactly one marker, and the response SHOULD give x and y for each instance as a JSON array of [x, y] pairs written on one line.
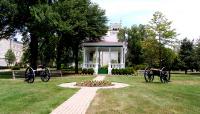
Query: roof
[[103, 44]]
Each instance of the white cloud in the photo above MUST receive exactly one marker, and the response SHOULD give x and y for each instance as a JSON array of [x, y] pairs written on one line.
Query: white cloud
[[183, 13]]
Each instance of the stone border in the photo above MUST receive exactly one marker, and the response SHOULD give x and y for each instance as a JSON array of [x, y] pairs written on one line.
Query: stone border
[[115, 85]]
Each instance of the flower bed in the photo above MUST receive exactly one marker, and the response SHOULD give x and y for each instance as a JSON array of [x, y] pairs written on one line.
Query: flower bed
[[95, 83]]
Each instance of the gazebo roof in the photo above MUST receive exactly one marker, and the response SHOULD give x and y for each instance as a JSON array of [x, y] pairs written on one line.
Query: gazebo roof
[[103, 44]]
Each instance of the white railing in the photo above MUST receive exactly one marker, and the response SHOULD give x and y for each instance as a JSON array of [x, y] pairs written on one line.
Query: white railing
[[89, 65], [117, 65]]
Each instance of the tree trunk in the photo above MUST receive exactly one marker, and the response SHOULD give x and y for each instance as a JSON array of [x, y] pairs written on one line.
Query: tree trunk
[[169, 74], [59, 54], [76, 58], [33, 51], [185, 71]]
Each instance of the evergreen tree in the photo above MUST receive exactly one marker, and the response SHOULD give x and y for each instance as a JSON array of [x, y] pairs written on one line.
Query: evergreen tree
[[186, 54]]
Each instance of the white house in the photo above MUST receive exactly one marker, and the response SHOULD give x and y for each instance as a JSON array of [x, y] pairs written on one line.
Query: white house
[[17, 48], [109, 52]]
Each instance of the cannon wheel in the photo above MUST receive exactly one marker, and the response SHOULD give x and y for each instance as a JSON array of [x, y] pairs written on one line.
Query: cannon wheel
[[29, 75], [148, 75], [164, 75], [45, 75]]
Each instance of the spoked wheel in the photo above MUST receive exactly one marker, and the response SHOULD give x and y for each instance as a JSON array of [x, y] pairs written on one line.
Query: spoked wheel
[[148, 75], [45, 75], [164, 75], [29, 75]]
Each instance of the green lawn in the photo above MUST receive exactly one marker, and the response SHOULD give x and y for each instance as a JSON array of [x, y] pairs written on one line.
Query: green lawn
[[181, 96], [18, 97]]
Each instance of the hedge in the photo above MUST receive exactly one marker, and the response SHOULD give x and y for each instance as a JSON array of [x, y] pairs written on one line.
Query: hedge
[[15, 68], [124, 71], [88, 71]]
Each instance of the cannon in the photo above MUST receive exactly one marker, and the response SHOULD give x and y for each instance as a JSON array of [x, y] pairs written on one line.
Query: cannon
[[149, 74], [42, 71]]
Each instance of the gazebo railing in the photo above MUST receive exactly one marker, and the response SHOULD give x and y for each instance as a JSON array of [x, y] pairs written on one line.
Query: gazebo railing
[[116, 65], [89, 65]]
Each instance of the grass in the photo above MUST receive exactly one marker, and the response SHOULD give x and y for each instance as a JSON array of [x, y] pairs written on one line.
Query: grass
[[19, 97], [6, 75], [181, 96]]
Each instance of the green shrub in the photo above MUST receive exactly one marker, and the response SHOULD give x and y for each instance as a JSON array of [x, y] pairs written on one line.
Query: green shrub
[[123, 71], [113, 71], [120, 71], [117, 71], [4, 67], [84, 71], [15, 68], [104, 67], [90, 71], [140, 67]]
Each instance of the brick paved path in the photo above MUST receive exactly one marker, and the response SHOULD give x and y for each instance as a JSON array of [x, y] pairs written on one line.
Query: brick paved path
[[79, 102]]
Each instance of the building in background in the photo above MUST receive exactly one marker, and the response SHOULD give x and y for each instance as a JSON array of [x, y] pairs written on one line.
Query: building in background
[[108, 53], [14, 45]]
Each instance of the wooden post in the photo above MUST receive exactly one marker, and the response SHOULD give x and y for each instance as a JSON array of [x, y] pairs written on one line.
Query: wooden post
[[61, 73], [13, 74]]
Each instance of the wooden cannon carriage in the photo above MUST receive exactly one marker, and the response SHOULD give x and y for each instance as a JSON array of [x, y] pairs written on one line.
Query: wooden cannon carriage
[[149, 74], [41, 71]]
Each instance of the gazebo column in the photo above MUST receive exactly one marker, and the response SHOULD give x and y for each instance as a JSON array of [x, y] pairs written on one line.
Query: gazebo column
[[84, 58], [122, 58], [109, 62], [97, 63]]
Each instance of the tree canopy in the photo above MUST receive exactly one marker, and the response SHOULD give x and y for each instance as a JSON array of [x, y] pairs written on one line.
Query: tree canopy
[[53, 25], [160, 28]]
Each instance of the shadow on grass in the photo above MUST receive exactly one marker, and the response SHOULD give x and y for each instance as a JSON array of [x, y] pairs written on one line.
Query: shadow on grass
[[154, 82]]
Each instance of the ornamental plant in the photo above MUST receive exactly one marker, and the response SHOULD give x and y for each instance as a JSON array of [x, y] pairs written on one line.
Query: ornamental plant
[[94, 83]]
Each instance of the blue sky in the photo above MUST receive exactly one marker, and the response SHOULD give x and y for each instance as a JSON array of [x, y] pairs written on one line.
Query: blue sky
[[183, 13]]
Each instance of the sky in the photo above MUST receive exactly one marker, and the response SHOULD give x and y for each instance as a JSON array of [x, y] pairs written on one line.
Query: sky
[[184, 14]]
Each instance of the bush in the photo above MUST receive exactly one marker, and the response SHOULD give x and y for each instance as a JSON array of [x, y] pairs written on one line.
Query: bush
[[124, 71], [15, 68], [113, 71], [91, 71], [131, 70], [84, 71], [4, 67], [88, 71], [117, 71], [140, 67], [104, 67]]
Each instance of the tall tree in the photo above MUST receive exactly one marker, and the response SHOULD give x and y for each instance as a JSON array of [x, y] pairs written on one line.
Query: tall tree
[[150, 51], [197, 55], [186, 54], [122, 34], [33, 17], [85, 22], [135, 35], [160, 29], [10, 57], [90, 29]]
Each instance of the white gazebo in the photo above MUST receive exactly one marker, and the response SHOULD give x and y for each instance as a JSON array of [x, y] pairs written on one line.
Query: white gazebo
[[107, 54]]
